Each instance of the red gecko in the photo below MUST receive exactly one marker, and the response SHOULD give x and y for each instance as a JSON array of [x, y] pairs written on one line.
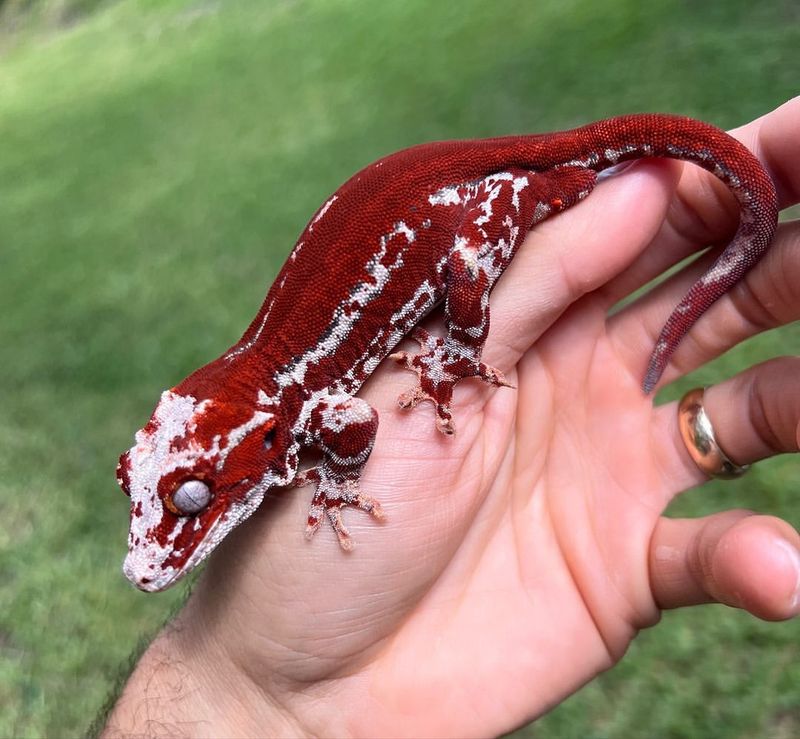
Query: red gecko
[[436, 222]]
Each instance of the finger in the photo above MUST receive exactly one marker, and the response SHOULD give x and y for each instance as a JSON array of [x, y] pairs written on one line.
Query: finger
[[768, 393], [767, 297], [736, 558], [570, 255], [704, 212], [755, 415]]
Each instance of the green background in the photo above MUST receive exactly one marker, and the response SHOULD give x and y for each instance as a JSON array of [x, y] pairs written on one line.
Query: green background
[[157, 161]]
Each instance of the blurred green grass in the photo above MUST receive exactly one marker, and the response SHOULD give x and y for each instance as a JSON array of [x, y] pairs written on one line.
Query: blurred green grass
[[157, 155]]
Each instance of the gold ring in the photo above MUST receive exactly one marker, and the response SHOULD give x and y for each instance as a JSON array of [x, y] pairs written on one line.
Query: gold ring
[[698, 436]]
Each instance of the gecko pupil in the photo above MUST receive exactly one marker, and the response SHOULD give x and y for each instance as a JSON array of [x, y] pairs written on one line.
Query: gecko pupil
[[269, 437]]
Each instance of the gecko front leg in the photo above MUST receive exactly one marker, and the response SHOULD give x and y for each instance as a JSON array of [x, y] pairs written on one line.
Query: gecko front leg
[[497, 213], [343, 429]]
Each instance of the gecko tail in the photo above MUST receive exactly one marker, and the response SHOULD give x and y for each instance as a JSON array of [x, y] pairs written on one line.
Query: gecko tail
[[747, 247], [606, 143]]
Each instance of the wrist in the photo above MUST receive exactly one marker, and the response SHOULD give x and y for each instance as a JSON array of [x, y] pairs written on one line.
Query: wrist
[[186, 685]]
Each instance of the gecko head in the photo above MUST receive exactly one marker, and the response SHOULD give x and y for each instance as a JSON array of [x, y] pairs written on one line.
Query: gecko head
[[197, 469]]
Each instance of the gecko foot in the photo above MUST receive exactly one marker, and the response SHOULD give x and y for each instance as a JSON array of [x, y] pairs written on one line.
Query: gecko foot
[[330, 498], [441, 364]]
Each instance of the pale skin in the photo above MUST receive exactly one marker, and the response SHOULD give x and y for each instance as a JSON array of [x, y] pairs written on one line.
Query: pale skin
[[519, 558]]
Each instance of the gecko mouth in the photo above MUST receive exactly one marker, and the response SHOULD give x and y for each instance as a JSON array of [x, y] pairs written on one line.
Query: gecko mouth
[[148, 566]]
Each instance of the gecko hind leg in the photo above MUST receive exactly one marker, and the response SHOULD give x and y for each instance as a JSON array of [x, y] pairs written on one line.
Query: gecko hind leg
[[439, 366], [497, 213]]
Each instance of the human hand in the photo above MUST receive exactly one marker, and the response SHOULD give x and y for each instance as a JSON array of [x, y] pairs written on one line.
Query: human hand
[[520, 557]]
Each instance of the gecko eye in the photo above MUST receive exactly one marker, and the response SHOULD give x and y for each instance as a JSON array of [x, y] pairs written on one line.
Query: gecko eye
[[190, 498], [269, 437]]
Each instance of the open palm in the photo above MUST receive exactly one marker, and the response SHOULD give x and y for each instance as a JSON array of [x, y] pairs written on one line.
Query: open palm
[[520, 557]]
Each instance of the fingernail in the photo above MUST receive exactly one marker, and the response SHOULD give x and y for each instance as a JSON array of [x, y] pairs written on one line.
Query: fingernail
[[794, 558], [617, 169]]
